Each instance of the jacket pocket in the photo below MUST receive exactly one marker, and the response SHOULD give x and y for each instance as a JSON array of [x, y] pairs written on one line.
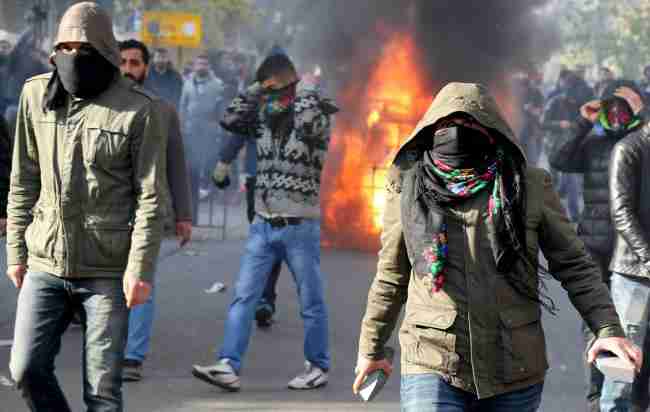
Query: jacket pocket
[[523, 343], [105, 247], [433, 346], [40, 235], [106, 148]]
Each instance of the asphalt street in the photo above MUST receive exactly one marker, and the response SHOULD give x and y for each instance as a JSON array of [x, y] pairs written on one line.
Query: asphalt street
[[189, 324]]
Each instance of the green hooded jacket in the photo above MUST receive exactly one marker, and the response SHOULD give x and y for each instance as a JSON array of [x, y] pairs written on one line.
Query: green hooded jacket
[[87, 183], [478, 333]]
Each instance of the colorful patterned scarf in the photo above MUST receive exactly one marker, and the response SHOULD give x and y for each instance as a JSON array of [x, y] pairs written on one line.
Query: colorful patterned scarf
[[463, 183]]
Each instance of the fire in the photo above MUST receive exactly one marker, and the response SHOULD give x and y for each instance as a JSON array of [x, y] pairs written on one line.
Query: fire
[[392, 100], [373, 118]]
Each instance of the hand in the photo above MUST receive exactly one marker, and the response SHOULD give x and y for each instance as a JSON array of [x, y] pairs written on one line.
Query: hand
[[565, 124], [631, 97], [220, 176], [621, 347], [136, 291], [17, 273], [280, 81], [590, 110], [365, 367], [255, 90], [183, 232]]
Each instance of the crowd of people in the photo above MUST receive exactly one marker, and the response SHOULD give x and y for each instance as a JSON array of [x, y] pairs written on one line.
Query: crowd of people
[[112, 148]]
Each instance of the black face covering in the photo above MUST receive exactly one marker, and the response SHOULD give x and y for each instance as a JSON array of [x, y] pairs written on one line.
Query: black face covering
[[85, 74], [463, 148]]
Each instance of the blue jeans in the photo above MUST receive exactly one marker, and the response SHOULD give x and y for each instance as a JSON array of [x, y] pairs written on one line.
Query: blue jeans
[[430, 393], [299, 247], [141, 318], [631, 297], [46, 304], [269, 295], [140, 327]]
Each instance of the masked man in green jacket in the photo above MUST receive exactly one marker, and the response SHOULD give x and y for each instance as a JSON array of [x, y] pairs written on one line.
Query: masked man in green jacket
[[84, 215], [465, 219]]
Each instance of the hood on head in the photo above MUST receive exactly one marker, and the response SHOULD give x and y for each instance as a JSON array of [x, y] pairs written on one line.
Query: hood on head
[[614, 85], [469, 98], [278, 67], [87, 22]]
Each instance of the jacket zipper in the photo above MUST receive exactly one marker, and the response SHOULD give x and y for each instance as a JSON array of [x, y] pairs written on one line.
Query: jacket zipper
[[66, 260]]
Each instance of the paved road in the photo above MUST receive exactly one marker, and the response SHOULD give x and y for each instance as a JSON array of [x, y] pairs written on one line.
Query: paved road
[[190, 322]]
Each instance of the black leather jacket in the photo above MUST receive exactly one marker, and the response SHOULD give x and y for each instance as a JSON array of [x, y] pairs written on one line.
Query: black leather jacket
[[629, 182], [589, 154]]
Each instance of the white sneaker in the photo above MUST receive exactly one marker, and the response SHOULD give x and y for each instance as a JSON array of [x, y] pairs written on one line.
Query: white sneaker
[[313, 377], [220, 374]]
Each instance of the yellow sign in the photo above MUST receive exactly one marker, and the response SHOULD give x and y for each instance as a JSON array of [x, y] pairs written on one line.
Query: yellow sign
[[171, 29]]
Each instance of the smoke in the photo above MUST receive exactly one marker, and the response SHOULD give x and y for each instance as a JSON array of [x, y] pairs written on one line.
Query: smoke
[[455, 40], [460, 40]]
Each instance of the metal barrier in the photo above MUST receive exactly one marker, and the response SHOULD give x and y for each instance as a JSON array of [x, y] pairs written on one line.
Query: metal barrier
[[216, 208]]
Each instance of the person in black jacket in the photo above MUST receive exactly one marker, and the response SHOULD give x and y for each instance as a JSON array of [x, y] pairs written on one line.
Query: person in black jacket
[[601, 124], [629, 194], [5, 171]]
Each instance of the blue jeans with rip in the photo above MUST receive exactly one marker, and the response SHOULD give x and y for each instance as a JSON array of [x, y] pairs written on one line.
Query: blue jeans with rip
[[298, 246], [631, 296], [46, 304], [430, 393]]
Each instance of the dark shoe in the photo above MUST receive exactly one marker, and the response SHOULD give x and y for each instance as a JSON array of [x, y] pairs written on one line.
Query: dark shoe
[[264, 316], [131, 370], [76, 320]]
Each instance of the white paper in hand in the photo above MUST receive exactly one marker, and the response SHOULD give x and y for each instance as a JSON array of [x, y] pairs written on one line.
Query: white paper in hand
[[615, 368]]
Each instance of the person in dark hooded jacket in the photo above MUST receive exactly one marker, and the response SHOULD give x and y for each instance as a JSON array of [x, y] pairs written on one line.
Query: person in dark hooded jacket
[[601, 124]]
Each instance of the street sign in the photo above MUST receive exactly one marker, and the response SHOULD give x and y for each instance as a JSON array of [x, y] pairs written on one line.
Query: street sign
[[171, 29]]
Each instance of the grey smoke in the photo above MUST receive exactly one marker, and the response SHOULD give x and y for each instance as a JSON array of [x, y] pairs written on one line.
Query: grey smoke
[[460, 40]]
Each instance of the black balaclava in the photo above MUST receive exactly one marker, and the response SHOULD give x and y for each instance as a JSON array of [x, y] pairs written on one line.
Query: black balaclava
[[463, 147], [84, 74]]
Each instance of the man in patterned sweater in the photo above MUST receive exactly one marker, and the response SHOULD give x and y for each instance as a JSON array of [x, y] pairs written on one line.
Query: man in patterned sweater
[[292, 130]]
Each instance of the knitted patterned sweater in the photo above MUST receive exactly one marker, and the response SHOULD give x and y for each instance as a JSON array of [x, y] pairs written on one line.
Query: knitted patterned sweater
[[289, 159]]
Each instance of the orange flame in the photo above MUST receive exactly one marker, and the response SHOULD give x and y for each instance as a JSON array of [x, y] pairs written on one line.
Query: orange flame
[[369, 129], [392, 100]]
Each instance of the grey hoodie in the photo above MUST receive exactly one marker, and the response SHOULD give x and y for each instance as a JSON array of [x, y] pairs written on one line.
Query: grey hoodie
[[87, 22]]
